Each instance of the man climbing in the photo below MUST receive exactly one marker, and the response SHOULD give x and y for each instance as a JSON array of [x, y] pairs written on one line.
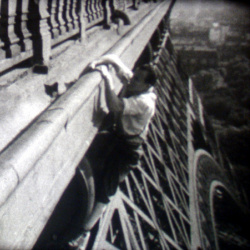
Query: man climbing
[[132, 112]]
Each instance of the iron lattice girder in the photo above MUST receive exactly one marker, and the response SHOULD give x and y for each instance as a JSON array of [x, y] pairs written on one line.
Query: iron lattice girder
[[156, 193]]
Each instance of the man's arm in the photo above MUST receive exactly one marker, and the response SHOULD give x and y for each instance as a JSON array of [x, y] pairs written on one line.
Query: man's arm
[[114, 104], [121, 69]]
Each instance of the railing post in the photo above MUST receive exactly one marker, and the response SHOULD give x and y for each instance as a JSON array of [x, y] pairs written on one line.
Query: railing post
[[74, 14], [61, 21], [7, 29], [22, 31], [82, 25], [92, 9], [53, 21], [42, 36], [88, 10], [2, 52], [68, 18], [99, 8], [108, 7], [95, 9]]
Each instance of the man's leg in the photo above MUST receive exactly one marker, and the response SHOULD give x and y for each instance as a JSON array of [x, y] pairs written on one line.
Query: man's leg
[[94, 216], [131, 159], [106, 188], [117, 166]]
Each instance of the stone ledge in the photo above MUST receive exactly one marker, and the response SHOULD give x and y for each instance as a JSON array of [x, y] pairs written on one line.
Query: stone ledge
[[22, 93]]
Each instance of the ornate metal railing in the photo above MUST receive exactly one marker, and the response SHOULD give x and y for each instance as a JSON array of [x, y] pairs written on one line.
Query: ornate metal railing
[[30, 28], [65, 19], [94, 12], [15, 39]]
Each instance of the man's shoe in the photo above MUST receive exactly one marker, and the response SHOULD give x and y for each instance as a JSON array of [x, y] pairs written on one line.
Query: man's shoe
[[80, 242]]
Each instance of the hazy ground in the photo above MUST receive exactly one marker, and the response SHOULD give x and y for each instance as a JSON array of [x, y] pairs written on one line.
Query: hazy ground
[[197, 11], [225, 90]]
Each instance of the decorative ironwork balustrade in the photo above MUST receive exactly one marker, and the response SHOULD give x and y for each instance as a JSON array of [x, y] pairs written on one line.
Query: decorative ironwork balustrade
[[94, 12], [30, 28], [15, 39]]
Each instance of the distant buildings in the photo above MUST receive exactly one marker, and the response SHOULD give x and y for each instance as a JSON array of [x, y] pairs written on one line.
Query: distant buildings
[[210, 37]]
